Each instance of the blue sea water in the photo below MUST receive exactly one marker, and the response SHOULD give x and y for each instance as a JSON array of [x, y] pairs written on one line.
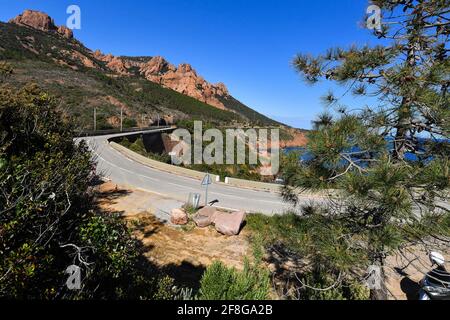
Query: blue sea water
[[409, 156]]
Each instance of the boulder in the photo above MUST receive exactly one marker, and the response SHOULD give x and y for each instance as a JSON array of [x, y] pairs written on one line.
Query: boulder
[[229, 223], [156, 66], [117, 65], [202, 221], [35, 19], [205, 217], [178, 217], [41, 21], [65, 32]]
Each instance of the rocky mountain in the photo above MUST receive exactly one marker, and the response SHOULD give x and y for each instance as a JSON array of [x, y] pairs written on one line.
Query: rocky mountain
[[183, 79], [147, 89], [41, 21]]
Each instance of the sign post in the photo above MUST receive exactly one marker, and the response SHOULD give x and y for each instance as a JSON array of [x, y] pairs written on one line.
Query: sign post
[[206, 182]]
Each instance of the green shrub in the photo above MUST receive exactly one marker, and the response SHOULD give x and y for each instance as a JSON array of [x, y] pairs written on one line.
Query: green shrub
[[296, 234], [165, 158], [125, 142], [138, 147], [6, 70], [222, 283], [321, 284], [129, 123], [49, 219]]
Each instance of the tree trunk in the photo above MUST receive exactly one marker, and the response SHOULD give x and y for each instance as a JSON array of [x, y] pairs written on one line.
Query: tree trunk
[[404, 121], [404, 112], [380, 293]]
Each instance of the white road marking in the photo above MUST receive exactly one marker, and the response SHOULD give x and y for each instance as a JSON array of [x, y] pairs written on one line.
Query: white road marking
[[123, 169], [252, 200]]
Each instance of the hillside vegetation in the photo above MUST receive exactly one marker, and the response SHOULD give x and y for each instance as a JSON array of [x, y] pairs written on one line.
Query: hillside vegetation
[[68, 70]]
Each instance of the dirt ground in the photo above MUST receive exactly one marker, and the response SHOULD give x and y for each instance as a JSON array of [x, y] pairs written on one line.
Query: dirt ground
[[174, 249], [184, 253], [405, 270]]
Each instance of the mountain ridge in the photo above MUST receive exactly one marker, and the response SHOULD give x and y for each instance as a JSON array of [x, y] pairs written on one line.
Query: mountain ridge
[[183, 78], [147, 89]]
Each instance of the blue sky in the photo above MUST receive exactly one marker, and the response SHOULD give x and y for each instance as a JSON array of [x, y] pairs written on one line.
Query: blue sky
[[247, 44]]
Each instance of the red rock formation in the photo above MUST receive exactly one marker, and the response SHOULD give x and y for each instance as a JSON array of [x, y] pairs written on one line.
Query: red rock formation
[[118, 66], [100, 56], [41, 21], [157, 66], [35, 19], [299, 139], [183, 79], [65, 32]]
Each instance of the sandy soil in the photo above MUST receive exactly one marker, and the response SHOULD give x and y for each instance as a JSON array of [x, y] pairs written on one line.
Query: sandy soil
[[405, 270], [198, 247], [181, 252]]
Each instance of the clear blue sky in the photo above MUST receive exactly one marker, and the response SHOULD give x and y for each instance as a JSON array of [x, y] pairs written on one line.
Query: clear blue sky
[[247, 44]]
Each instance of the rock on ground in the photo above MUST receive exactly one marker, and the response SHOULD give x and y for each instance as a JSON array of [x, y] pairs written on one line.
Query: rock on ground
[[179, 217], [205, 217], [229, 223]]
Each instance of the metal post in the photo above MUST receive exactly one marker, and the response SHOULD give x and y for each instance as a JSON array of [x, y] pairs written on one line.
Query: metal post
[[121, 119], [95, 119], [206, 196]]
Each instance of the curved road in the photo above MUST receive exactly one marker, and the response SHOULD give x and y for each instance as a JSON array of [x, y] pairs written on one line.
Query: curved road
[[121, 170]]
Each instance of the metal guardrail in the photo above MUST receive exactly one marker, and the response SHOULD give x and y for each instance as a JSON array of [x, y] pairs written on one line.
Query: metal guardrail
[[248, 184], [90, 133], [240, 183]]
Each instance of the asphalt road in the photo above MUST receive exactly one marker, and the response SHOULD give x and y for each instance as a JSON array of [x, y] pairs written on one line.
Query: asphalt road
[[123, 171]]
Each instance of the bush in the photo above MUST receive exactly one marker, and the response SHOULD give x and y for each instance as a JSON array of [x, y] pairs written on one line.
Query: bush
[[48, 218], [6, 70], [222, 283], [129, 123], [297, 235], [138, 146], [321, 284]]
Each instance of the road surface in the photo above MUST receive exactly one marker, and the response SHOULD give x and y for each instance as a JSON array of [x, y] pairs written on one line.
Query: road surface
[[123, 171]]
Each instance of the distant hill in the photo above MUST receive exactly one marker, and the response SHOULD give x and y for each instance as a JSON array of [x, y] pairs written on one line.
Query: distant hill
[[145, 88]]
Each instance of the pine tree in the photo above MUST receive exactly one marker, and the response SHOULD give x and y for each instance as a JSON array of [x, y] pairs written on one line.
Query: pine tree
[[387, 163]]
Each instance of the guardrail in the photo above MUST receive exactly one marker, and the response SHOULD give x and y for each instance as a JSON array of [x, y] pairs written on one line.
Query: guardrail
[[160, 165], [269, 187], [240, 183], [272, 187], [90, 133]]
